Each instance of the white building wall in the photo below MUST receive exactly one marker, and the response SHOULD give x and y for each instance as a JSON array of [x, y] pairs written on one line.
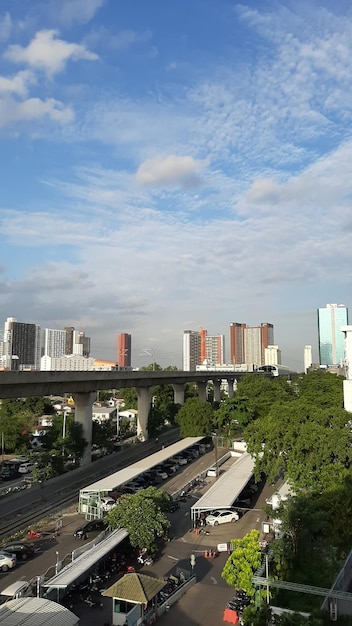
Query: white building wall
[[272, 355], [308, 360], [54, 342], [253, 346], [67, 364]]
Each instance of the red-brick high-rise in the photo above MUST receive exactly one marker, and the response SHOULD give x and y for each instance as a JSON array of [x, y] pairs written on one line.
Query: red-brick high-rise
[[123, 350]]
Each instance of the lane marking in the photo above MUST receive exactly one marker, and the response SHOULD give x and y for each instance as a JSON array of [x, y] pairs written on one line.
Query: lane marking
[[213, 580], [174, 558]]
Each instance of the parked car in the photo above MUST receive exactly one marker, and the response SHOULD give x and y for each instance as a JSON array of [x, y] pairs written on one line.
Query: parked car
[[107, 503], [26, 468], [213, 472], [180, 460], [86, 527], [22, 549], [222, 517], [7, 561]]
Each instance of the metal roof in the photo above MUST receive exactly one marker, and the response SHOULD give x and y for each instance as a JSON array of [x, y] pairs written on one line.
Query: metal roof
[[82, 564], [223, 493], [134, 587], [36, 612], [128, 473]]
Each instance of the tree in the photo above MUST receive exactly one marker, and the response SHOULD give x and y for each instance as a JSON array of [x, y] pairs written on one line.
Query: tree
[[243, 562], [312, 446], [195, 418], [143, 516], [129, 396]]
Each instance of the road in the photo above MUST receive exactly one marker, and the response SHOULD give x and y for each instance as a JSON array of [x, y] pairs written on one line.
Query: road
[[203, 605]]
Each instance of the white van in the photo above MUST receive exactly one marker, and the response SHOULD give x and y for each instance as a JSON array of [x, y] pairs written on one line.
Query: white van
[[14, 591]]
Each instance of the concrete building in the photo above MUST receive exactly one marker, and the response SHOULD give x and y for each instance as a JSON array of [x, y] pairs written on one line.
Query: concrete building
[[331, 338], [272, 355], [191, 350], [54, 342], [215, 349], [21, 346], [237, 343], [76, 342], [123, 350], [248, 343], [308, 360], [68, 363]]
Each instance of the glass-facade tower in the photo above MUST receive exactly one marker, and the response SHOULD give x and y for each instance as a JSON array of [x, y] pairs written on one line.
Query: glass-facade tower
[[331, 337]]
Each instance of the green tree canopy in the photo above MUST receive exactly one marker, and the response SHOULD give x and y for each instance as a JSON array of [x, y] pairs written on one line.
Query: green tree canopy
[[243, 562], [143, 516], [195, 418], [312, 446]]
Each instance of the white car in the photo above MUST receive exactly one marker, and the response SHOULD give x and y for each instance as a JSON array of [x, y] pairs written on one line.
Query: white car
[[221, 517], [107, 503], [26, 468], [7, 561]]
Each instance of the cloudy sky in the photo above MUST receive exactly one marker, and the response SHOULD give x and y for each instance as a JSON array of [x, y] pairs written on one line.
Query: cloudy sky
[[171, 165]]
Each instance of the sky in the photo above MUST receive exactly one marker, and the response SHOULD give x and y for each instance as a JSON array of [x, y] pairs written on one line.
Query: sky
[[169, 165]]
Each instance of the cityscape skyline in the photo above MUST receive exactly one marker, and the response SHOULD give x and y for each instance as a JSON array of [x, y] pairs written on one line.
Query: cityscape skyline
[[167, 166], [252, 346]]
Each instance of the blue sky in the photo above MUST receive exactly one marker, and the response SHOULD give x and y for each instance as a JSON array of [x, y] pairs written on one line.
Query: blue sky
[[166, 165]]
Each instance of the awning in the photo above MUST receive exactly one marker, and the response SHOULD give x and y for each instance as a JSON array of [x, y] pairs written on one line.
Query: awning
[[36, 612], [133, 587], [83, 563]]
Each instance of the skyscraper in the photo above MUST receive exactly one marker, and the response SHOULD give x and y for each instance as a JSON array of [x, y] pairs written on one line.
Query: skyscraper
[[123, 350], [272, 355], [307, 357], [215, 350], [331, 337], [22, 345], [191, 350], [237, 343], [54, 342], [248, 343]]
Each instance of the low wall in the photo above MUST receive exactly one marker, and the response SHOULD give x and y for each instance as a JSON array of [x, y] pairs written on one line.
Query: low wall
[[173, 598]]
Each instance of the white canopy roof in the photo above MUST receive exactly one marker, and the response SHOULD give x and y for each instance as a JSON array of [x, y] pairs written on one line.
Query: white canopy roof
[[223, 493], [36, 612], [128, 473], [83, 563]]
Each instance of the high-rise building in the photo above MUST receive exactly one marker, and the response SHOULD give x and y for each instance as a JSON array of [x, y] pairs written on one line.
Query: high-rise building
[[308, 360], [69, 330], [272, 355], [203, 345], [191, 350], [22, 349], [237, 343], [123, 350], [215, 350], [54, 342], [331, 337], [248, 343]]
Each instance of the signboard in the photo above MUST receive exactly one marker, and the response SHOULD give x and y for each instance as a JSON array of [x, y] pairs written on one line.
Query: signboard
[[223, 547]]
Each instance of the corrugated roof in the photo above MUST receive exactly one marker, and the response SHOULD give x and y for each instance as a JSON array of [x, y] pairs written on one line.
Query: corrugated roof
[[36, 612], [128, 473], [85, 561], [134, 587], [224, 492]]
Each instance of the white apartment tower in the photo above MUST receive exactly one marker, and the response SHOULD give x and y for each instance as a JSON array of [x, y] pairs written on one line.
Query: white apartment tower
[[307, 358], [54, 343], [272, 355]]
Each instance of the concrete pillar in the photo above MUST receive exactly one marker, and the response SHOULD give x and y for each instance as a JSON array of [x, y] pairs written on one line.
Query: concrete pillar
[[179, 393], [202, 390], [217, 393], [144, 396], [83, 415], [231, 391]]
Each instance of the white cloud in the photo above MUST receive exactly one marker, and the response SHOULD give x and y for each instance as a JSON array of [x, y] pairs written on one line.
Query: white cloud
[[17, 84], [5, 27], [12, 111], [48, 53], [170, 170], [70, 11]]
